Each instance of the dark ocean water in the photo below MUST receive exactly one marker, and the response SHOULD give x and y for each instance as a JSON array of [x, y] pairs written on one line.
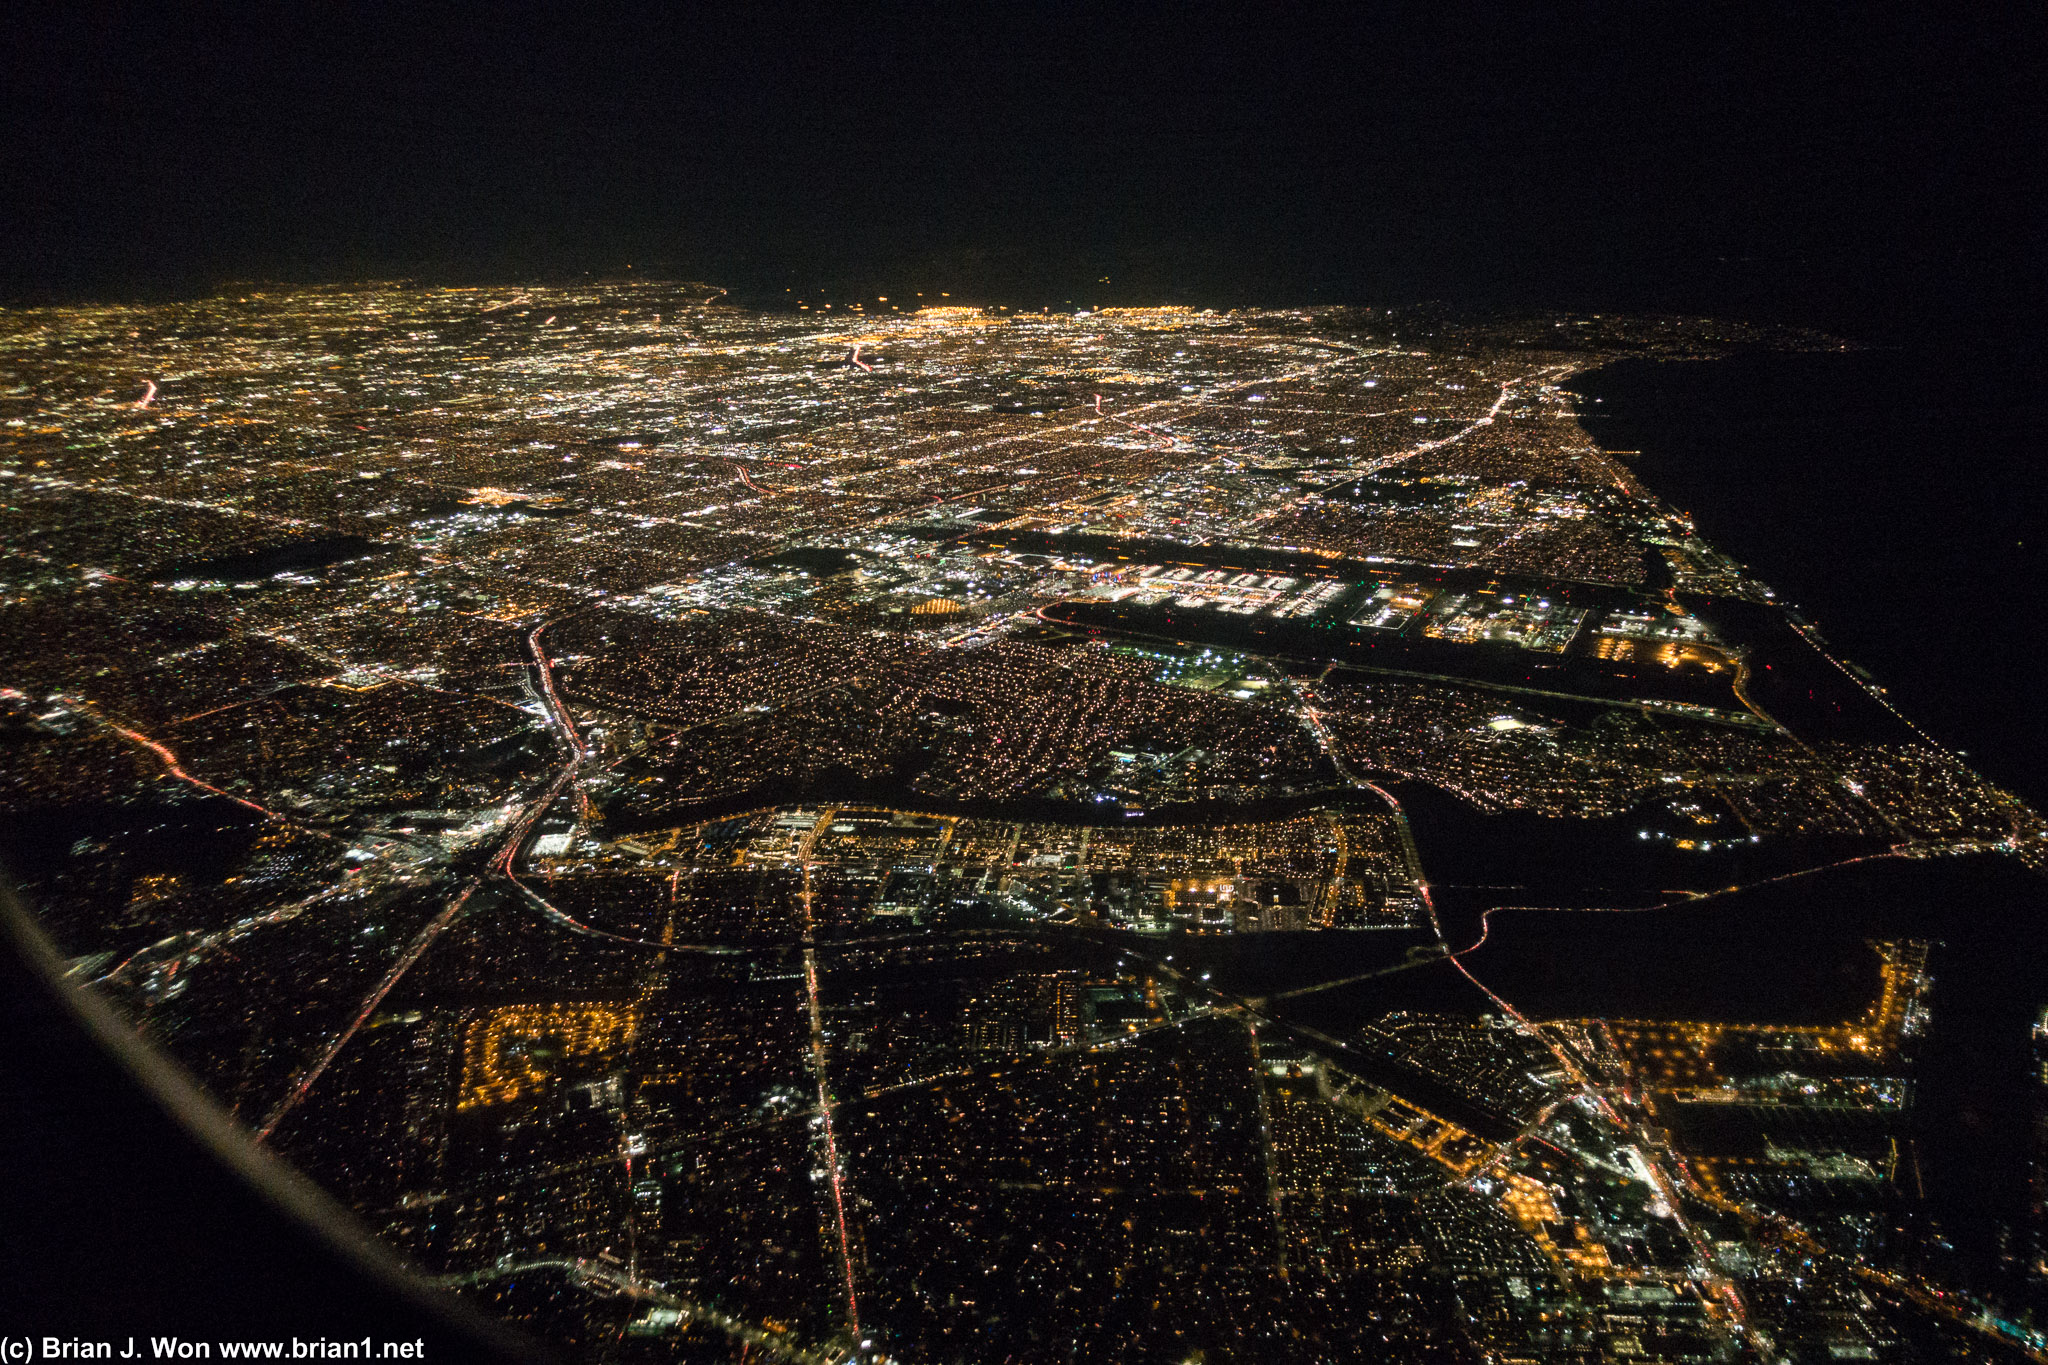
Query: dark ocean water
[[1896, 495]]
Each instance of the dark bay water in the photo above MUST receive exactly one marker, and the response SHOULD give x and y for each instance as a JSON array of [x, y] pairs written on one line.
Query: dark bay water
[[1896, 495], [1794, 952]]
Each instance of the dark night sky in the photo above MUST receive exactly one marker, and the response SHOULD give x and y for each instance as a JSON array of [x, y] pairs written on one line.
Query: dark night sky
[[1816, 163]]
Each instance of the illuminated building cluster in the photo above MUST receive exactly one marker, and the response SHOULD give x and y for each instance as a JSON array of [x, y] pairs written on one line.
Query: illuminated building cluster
[[1018, 832], [515, 1051]]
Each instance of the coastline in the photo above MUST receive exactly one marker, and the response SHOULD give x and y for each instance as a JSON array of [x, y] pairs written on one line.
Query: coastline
[[1890, 494]]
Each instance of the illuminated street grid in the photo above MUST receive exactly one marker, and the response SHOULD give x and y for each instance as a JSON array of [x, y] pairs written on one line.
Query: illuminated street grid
[[730, 834]]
